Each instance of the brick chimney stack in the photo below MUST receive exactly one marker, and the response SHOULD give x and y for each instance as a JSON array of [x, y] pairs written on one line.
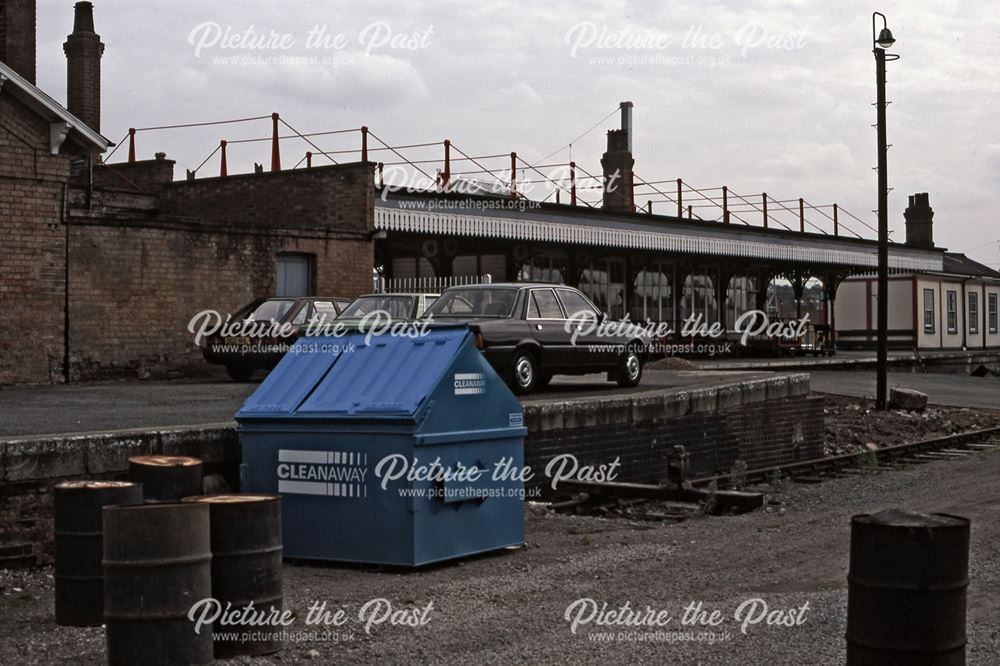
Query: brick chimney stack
[[83, 67], [617, 164], [17, 36], [919, 218]]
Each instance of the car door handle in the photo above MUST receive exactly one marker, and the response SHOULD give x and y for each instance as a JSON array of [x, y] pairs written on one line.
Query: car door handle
[[538, 326]]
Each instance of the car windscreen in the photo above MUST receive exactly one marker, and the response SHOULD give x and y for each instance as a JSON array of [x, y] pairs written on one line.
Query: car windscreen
[[474, 303], [398, 307], [428, 304], [323, 311], [273, 310]]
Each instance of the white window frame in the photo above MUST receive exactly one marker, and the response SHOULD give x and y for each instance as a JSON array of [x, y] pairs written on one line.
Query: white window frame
[[974, 312], [951, 308], [929, 314]]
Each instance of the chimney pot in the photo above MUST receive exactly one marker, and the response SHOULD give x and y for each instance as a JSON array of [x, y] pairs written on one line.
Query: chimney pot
[[83, 17], [160, 156], [626, 109]]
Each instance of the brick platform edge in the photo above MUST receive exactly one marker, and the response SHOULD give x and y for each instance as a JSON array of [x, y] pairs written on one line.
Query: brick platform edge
[[761, 422], [30, 467]]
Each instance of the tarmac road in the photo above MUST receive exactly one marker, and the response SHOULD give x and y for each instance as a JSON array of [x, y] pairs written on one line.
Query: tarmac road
[[102, 406], [941, 389]]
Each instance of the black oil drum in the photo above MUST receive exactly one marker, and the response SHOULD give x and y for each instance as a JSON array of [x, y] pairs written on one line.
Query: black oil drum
[[906, 589], [246, 566], [157, 565], [167, 478], [79, 546]]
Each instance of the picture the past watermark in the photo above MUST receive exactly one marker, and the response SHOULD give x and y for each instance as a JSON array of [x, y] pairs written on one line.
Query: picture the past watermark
[[695, 621]]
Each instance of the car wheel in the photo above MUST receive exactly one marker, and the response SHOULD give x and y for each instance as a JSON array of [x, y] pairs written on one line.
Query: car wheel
[[524, 373], [239, 373], [630, 369]]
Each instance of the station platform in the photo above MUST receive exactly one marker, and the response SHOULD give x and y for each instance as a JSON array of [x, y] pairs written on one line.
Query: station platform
[[53, 434], [899, 360]]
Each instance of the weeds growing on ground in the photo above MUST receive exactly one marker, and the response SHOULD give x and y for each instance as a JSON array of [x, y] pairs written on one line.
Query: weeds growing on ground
[[869, 463], [738, 475], [777, 482], [708, 504]]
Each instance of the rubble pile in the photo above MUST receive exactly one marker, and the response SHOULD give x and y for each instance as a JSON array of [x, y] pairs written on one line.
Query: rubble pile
[[853, 425]]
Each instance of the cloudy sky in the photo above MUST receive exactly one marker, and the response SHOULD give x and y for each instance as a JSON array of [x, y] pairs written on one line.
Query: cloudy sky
[[761, 96]]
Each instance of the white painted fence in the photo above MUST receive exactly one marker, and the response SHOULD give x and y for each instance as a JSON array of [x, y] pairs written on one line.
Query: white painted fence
[[427, 285]]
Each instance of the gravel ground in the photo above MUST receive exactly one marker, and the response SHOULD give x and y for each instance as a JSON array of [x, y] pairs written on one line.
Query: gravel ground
[[510, 607], [852, 424]]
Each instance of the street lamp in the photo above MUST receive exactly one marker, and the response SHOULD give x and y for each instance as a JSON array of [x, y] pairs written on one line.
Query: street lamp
[[880, 43]]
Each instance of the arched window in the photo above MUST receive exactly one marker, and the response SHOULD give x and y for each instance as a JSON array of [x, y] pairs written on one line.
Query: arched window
[[699, 296], [411, 267], [741, 297], [604, 283], [468, 265], [652, 294], [542, 268]]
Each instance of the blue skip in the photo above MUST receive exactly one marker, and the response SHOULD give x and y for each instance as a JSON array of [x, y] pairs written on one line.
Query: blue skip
[[394, 450]]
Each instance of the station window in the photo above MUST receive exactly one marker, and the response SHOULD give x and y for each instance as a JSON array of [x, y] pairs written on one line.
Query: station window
[[653, 295], [542, 268], [411, 267], [480, 265], [741, 297], [603, 282], [928, 310], [952, 311], [973, 312], [993, 312], [699, 297]]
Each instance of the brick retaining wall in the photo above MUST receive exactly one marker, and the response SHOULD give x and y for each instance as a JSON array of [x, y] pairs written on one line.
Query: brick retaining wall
[[140, 270], [30, 467], [760, 435], [761, 422]]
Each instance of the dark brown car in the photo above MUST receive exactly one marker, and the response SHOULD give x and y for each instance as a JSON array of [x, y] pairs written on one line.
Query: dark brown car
[[262, 349], [530, 332]]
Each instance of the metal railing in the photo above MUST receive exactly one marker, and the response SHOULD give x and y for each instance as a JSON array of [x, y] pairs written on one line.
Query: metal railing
[[428, 166]]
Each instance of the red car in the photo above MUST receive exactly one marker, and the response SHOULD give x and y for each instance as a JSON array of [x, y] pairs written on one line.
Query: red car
[[245, 354]]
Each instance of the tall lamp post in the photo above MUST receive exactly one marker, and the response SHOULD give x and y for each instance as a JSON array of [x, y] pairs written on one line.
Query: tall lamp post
[[880, 43]]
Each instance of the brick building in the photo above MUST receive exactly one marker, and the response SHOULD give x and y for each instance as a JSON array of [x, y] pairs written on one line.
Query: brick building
[[38, 140], [144, 261], [104, 266]]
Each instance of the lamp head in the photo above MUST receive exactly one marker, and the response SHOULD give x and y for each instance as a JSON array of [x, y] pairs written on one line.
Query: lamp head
[[885, 38]]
